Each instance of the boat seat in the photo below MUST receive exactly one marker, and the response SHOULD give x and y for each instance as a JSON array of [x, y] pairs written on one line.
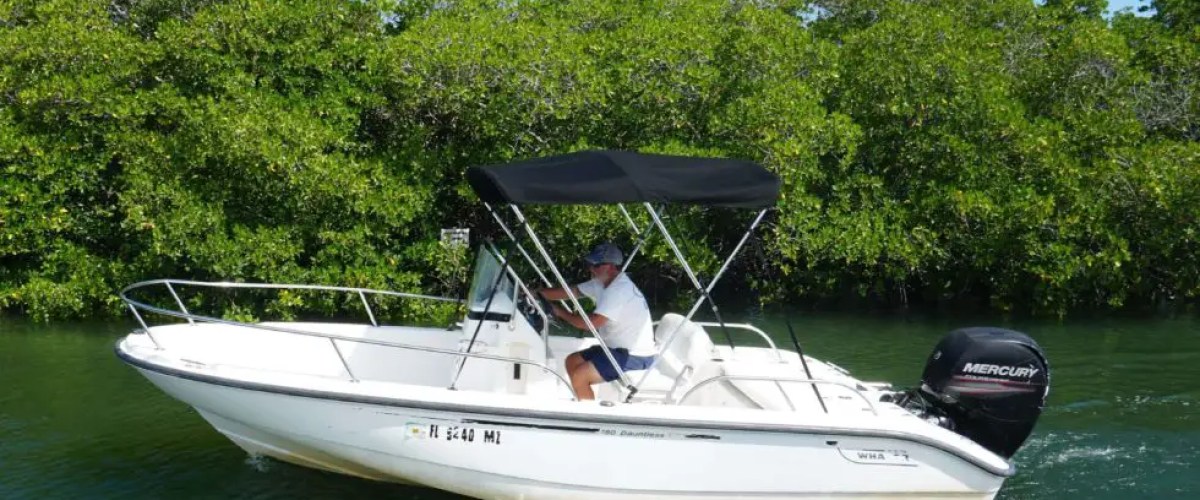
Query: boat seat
[[676, 365], [690, 346], [677, 362]]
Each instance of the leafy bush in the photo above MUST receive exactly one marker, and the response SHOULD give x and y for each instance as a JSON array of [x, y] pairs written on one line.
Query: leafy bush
[[1020, 157]]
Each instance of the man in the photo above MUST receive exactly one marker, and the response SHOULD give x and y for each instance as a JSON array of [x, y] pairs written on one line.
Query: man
[[621, 317]]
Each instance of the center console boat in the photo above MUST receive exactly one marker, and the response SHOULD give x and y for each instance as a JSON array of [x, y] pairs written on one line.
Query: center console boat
[[485, 409]]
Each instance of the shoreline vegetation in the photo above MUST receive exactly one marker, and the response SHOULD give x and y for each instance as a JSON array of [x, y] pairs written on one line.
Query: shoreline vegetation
[[1000, 156]]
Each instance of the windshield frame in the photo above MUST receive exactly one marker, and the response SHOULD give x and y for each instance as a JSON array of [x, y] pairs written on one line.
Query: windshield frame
[[484, 285]]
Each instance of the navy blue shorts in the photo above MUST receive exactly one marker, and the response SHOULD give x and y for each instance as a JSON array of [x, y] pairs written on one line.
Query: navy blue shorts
[[595, 355]]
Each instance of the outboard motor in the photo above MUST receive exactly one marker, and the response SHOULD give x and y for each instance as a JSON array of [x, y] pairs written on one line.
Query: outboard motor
[[988, 384]]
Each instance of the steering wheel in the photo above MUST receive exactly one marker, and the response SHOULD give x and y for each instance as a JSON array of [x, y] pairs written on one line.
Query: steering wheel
[[548, 307], [531, 313]]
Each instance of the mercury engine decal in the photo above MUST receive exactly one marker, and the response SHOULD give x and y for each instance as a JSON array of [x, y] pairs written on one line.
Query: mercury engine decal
[[1001, 370]]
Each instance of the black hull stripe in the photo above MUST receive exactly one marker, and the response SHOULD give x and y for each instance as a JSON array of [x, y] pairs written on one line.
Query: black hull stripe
[[498, 423], [486, 411]]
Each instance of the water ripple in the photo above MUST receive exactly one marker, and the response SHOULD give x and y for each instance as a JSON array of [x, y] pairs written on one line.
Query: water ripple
[[259, 463], [1085, 452], [1119, 464]]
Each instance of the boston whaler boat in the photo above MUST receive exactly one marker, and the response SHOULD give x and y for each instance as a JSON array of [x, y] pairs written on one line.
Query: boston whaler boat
[[485, 408]]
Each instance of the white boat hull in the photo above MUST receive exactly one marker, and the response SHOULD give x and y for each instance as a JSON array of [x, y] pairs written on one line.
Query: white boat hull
[[511, 456]]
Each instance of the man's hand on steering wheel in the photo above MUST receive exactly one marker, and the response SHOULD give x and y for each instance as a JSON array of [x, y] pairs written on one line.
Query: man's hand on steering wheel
[[546, 306]]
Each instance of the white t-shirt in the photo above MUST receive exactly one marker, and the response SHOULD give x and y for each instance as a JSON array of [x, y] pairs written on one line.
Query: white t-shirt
[[629, 324]]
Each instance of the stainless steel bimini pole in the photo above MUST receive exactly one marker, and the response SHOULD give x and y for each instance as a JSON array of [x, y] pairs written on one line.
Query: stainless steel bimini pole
[[700, 300], [642, 235], [511, 236], [545, 333], [695, 281], [628, 218], [574, 300], [728, 260]]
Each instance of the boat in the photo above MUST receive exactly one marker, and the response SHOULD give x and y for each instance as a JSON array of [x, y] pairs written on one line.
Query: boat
[[483, 407]]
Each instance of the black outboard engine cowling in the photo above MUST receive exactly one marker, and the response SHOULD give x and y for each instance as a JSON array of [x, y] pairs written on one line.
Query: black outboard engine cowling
[[991, 383]]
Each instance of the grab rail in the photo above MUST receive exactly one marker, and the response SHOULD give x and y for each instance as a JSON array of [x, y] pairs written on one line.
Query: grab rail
[[710, 380], [744, 326], [135, 305], [740, 326]]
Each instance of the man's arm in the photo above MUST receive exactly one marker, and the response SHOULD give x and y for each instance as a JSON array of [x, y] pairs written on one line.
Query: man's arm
[[576, 320], [559, 293]]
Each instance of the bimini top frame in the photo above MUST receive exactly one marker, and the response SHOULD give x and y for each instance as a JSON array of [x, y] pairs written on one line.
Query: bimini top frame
[[616, 177]]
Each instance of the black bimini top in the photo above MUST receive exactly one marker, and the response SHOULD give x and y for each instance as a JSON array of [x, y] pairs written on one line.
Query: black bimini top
[[603, 177]]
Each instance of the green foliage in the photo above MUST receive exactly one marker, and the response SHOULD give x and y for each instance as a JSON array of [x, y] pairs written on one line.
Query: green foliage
[[1022, 157]]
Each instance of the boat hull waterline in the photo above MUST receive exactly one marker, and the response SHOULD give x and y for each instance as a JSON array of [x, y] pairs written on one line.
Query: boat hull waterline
[[504, 456]]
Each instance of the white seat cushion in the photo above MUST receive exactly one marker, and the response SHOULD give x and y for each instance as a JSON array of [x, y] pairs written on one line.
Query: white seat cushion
[[689, 346]]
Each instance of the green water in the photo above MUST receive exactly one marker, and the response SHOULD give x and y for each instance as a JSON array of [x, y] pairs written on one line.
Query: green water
[[1123, 418]]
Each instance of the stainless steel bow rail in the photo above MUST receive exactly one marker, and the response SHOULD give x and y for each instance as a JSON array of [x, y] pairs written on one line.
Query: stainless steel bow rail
[[136, 306]]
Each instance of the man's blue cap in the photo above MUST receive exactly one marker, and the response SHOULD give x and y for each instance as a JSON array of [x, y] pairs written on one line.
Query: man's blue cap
[[605, 253]]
